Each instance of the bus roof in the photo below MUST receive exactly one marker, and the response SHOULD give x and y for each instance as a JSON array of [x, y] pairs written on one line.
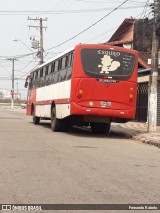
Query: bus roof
[[54, 58]]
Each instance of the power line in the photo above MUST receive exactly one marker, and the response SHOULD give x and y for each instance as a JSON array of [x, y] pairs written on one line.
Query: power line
[[89, 26], [27, 72], [104, 2], [61, 12]]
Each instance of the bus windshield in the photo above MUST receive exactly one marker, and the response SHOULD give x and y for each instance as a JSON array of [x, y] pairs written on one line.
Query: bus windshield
[[106, 62]]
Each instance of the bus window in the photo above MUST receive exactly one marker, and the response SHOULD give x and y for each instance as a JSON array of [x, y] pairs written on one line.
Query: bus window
[[46, 70], [52, 67], [36, 74], [49, 69], [33, 75], [71, 59], [41, 73], [63, 62], [60, 64], [116, 64], [67, 61], [56, 66], [69, 73]]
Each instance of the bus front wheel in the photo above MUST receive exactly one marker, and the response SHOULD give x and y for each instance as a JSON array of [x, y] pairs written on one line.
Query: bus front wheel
[[100, 128], [36, 119]]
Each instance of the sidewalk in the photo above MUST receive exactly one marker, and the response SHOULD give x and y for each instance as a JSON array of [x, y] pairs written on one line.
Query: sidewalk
[[136, 131]]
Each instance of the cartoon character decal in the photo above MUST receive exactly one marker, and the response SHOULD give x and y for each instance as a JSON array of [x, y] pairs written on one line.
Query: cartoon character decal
[[108, 64]]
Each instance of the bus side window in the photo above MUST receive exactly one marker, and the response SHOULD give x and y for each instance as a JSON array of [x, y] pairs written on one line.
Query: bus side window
[[41, 73], [71, 59], [63, 62], [66, 61], [53, 67], [69, 70], [62, 76], [60, 64], [46, 70], [49, 69], [56, 73], [56, 66], [36, 74]]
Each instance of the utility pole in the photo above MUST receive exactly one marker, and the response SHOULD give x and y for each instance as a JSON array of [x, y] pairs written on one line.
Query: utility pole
[[152, 111], [17, 90], [40, 26], [12, 91]]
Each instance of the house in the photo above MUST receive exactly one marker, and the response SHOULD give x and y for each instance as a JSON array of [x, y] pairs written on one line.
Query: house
[[137, 34]]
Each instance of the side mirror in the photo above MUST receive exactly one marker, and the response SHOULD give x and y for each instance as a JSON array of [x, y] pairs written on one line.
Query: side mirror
[[26, 84]]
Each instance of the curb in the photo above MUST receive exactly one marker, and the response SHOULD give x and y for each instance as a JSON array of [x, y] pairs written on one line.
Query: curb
[[147, 141], [137, 138]]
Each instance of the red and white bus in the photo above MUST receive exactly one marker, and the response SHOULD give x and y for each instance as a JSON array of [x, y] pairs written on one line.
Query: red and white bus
[[91, 84]]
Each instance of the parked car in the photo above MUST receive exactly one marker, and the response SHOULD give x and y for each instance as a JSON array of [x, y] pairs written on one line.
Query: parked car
[[23, 105]]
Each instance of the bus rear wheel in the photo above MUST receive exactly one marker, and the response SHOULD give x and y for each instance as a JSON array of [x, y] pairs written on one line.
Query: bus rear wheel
[[100, 128], [55, 123]]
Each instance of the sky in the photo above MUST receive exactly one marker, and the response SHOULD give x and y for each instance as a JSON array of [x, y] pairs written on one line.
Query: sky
[[79, 21]]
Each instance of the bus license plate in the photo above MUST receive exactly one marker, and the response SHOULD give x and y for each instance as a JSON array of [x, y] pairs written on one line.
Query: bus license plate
[[105, 103]]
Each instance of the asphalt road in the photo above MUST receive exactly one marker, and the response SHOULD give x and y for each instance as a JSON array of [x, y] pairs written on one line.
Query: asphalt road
[[39, 166]]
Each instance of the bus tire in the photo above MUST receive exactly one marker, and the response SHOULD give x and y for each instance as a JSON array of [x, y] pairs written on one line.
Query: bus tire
[[55, 123], [100, 128], [36, 120]]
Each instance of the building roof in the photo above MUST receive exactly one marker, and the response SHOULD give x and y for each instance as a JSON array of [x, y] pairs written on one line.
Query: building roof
[[124, 33]]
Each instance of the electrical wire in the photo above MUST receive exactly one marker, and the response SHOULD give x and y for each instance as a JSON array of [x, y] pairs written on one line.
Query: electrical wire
[[145, 8], [104, 2], [116, 8], [28, 72], [61, 12]]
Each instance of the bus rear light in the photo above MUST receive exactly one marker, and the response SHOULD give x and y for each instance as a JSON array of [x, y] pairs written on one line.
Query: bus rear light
[[80, 91], [131, 95]]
